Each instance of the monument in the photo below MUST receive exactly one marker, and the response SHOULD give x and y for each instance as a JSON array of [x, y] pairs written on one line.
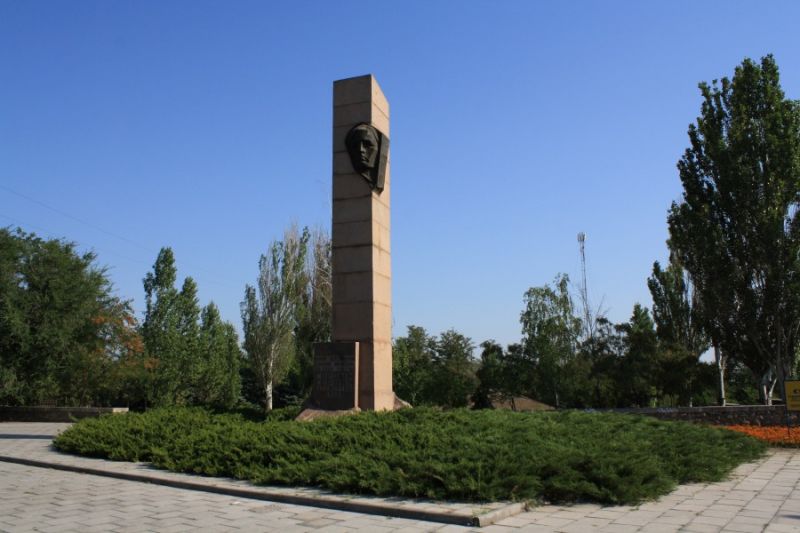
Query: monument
[[354, 370]]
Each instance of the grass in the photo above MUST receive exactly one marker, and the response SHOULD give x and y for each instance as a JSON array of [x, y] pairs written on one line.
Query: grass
[[454, 455]]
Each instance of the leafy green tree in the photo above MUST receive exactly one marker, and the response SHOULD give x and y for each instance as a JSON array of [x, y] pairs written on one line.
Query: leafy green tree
[[161, 333], [680, 335], [191, 356], [639, 368], [188, 356], [429, 370], [313, 319], [736, 230], [59, 338], [603, 350], [453, 369], [269, 313], [503, 374], [412, 362], [217, 382], [492, 376], [550, 333]]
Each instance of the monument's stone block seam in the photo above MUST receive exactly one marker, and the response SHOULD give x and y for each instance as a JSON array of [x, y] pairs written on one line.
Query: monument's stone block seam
[[345, 117], [363, 286], [352, 320], [353, 287], [357, 259], [352, 210], [352, 90], [352, 114], [348, 186], [347, 234]]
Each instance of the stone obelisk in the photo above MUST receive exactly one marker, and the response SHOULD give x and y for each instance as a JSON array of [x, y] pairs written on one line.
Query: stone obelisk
[[355, 369]]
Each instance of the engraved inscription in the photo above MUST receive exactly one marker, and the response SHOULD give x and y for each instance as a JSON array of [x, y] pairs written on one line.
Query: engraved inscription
[[335, 375]]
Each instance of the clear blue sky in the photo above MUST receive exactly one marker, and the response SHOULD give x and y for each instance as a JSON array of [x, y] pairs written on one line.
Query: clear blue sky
[[205, 126]]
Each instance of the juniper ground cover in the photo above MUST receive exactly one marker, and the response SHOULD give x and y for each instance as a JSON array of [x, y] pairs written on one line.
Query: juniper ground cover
[[454, 455]]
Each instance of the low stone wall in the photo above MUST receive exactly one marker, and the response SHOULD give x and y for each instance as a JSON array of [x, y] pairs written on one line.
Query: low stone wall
[[757, 415], [54, 414]]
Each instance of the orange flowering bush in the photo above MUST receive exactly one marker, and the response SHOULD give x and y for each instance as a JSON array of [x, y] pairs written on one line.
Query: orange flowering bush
[[773, 435]]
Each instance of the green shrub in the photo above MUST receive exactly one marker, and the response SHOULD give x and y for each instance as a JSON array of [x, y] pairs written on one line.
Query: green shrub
[[456, 455]]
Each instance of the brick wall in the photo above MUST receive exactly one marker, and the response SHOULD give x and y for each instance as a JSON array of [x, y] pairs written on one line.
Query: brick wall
[[759, 415]]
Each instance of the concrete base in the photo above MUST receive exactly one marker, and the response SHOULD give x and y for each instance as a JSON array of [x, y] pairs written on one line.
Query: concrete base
[[310, 413], [54, 414]]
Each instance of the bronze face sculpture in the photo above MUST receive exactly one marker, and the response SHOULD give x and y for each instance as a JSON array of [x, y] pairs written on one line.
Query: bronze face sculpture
[[369, 151]]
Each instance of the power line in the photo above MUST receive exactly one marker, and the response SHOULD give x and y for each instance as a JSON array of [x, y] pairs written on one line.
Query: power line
[[21, 223], [109, 233], [76, 219]]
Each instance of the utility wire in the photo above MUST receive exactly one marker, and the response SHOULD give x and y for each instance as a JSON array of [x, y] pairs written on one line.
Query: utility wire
[[50, 234], [109, 233], [76, 219]]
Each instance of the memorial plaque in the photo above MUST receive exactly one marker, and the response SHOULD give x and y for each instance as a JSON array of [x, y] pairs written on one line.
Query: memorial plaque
[[335, 375]]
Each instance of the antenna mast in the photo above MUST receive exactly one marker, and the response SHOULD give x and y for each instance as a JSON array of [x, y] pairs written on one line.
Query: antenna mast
[[587, 314]]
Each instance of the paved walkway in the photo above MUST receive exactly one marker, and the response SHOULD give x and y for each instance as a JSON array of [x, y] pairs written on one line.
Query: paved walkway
[[761, 496]]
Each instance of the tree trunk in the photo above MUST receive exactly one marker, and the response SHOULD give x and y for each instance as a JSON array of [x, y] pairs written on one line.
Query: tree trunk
[[268, 396], [772, 389], [268, 384], [721, 363], [781, 373], [767, 386]]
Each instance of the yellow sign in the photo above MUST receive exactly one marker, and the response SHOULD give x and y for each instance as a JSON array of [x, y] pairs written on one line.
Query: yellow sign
[[792, 395]]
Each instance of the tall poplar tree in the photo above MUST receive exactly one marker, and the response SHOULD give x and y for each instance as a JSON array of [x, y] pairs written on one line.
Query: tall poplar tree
[[217, 381], [269, 310], [160, 330], [736, 230], [192, 355]]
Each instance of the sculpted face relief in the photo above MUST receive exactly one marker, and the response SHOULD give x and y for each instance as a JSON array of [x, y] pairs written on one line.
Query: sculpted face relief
[[367, 148]]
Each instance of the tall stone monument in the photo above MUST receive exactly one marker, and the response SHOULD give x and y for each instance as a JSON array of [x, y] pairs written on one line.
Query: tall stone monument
[[355, 369]]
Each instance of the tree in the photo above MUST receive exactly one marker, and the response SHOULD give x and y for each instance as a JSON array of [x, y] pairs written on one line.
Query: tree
[[492, 376], [192, 356], [604, 351], [550, 333], [412, 365], [313, 318], [681, 338], [117, 351], [269, 313], [503, 374], [639, 366], [737, 231], [453, 370], [161, 332], [61, 328], [188, 359], [217, 381]]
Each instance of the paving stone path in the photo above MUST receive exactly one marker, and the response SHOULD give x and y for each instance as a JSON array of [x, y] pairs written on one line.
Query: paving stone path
[[760, 496]]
